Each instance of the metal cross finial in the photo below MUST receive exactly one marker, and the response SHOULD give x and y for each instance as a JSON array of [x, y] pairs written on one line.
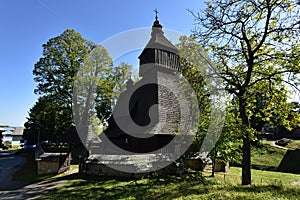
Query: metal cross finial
[[156, 12]]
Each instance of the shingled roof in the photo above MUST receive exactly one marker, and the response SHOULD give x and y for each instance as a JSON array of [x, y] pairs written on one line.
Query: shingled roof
[[159, 41]]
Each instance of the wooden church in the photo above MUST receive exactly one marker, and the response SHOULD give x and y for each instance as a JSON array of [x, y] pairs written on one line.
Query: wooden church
[[147, 114]]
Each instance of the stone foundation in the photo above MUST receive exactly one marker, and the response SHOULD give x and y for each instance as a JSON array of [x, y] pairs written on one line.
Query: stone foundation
[[53, 163], [132, 166]]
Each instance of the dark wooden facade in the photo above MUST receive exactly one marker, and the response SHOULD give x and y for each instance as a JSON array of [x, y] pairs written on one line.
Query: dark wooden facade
[[159, 58]]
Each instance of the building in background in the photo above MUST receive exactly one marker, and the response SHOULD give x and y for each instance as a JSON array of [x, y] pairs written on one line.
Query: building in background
[[12, 136], [17, 137]]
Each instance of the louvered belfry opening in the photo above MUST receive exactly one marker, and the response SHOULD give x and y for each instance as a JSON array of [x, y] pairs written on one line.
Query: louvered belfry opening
[[159, 53]]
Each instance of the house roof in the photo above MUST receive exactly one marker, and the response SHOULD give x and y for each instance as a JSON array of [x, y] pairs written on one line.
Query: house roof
[[18, 131]]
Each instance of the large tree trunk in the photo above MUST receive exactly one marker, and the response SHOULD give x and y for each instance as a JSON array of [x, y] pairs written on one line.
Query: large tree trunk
[[246, 161]]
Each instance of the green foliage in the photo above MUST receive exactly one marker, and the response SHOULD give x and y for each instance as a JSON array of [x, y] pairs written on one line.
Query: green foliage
[[228, 146], [189, 48], [194, 66], [55, 74], [76, 79], [56, 70], [110, 88], [254, 45], [42, 120], [94, 70]]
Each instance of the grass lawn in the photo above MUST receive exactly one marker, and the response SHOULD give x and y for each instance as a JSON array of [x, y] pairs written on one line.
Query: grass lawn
[[259, 177], [275, 185], [295, 144], [266, 184], [266, 157]]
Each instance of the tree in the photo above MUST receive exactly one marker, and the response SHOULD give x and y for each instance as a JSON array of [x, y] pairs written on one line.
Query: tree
[[93, 72], [55, 73], [197, 82], [109, 90], [68, 61], [41, 121], [1, 136], [97, 84], [254, 44]]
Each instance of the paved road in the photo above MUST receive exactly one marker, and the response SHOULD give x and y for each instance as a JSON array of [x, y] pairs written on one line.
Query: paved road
[[32, 191], [9, 165], [12, 190]]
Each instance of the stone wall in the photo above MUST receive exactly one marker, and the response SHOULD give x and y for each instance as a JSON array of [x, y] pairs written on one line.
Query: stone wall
[[47, 167], [106, 171], [53, 163]]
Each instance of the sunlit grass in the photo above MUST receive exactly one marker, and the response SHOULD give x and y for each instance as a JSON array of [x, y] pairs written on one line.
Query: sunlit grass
[[259, 177], [266, 184], [295, 144], [189, 186], [266, 157]]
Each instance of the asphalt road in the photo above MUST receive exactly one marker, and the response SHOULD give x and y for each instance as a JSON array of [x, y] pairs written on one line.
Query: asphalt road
[[9, 165], [12, 190]]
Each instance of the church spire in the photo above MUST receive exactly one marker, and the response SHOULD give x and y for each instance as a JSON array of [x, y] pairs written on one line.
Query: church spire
[[156, 12], [156, 22], [159, 53]]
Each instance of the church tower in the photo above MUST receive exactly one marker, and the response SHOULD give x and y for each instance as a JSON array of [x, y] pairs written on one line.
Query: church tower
[[159, 64], [159, 53], [153, 111]]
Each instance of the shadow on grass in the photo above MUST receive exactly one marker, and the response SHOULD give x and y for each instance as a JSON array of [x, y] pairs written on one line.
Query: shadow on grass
[[154, 187], [168, 187], [290, 162]]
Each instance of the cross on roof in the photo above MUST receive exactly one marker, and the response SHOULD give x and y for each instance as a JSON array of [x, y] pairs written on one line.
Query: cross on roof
[[156, 12]]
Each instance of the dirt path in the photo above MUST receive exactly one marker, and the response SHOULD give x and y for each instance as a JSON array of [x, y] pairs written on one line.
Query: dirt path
[[277, 146]]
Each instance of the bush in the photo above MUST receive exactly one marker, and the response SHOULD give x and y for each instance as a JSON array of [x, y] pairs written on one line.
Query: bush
[[7, 145]]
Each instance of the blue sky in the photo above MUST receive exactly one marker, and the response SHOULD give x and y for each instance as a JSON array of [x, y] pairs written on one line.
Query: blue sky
[[27, 24]]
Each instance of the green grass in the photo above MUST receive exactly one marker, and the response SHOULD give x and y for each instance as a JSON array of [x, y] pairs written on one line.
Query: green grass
[[192, 186], [266, 184], [295, 144], [266, 157], [259, 177]]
